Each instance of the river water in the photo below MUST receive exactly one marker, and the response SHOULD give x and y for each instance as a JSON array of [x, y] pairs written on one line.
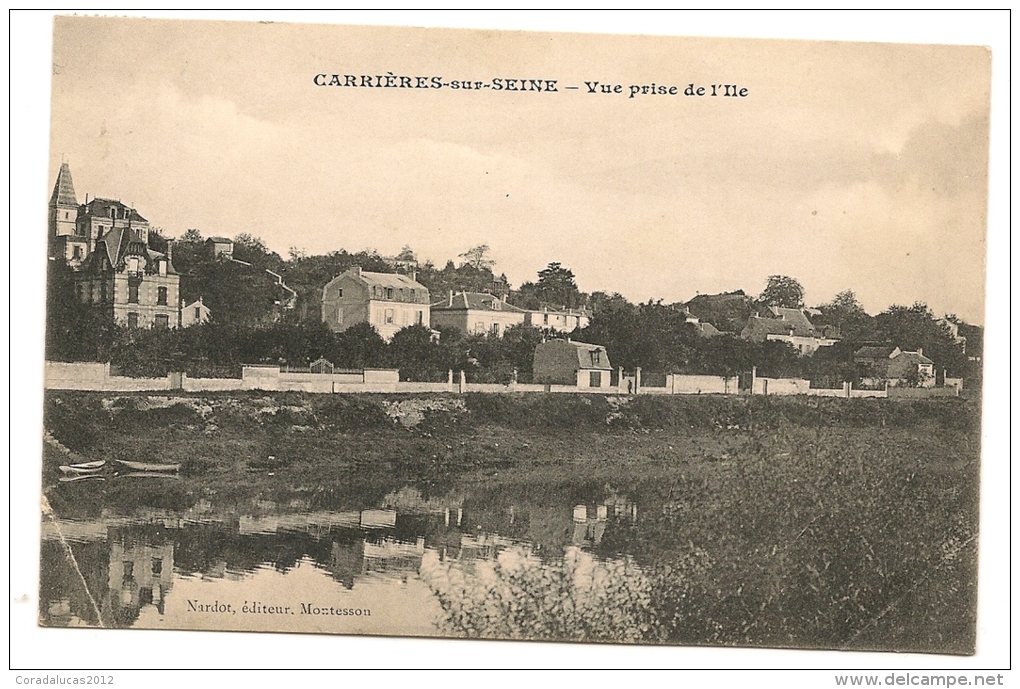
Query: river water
[[386, 568]]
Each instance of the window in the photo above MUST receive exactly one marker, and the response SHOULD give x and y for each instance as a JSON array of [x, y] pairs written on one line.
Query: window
[[132, 264], [198, 313], [76, 254], [102, 293], [340, 316], [545, 319], [162, 321], [340, 292], [132, 290], [389, 317], [129, 570], [421, 317], [157, 566], [389, 292], [595, 379], [162, 267], [495, 329], [132, 320], [479, 328], [596, 357], [161, 296]]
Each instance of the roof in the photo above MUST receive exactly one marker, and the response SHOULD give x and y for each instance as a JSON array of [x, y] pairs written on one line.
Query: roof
[[394, 280], [220, 240], [101, 207], [121, 242], [390, 280], [913, 358], [63, 189], [873, 353], [584, 351], [722, 296], [474, 301], [794, 317]]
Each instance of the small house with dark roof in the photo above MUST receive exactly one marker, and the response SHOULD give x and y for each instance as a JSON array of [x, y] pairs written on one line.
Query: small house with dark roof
[[565, 362], [476, 313], [895, 366], [387, 301]]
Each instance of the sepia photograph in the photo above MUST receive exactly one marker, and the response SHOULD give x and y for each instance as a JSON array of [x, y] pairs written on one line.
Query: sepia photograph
[[533, 336]]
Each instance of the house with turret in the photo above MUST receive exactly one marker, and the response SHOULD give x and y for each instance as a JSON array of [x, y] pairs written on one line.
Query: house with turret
[[106, 244]]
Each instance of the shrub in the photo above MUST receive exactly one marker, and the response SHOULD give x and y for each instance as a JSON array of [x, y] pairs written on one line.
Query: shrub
[[519, 597]]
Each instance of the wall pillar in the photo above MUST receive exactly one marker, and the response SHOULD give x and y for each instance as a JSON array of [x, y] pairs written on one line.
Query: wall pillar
[[463, 382], [637, 380], [449, 380], [621, 384]]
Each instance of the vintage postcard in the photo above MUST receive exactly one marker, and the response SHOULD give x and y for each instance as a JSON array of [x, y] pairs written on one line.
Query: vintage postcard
[[510, 335]]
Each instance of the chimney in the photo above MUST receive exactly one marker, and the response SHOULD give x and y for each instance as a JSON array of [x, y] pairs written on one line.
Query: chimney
[[414, 276], [920, 351], [170, 251], [451, 298]]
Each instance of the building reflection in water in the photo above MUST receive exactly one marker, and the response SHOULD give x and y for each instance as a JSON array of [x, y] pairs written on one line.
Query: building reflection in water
[[141, 570], [123, 565], [590, 521]]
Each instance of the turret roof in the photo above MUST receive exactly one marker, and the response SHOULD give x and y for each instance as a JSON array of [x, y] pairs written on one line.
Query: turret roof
[[63, 189]]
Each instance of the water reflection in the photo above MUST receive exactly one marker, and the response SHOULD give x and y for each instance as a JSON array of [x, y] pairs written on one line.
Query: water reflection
[[158, 569]]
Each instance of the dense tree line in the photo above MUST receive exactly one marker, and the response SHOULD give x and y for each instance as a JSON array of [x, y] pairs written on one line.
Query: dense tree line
[[250, 323]]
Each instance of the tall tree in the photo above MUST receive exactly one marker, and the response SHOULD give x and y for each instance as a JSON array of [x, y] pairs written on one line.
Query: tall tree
[[478, 257], [847, 314], [555, 287], [784, 291]]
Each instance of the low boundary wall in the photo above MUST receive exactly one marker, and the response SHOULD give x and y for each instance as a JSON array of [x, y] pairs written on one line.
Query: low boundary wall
[[903, 393], [96, 377]]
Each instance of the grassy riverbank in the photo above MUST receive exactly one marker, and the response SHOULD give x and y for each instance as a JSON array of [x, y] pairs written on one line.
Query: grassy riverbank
[[762, 521]]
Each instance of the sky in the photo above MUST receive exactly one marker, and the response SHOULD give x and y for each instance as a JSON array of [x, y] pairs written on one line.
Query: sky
[[847, 166]]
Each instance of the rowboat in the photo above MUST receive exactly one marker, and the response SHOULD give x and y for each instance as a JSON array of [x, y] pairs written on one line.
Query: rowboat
[[145, 466], [85, 468], [83, 477], [89, 465], [149, 474]]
